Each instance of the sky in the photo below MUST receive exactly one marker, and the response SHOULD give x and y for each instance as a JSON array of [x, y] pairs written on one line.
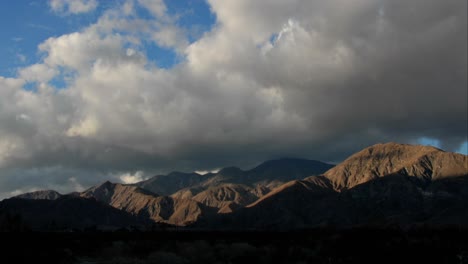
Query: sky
[[122, 90]]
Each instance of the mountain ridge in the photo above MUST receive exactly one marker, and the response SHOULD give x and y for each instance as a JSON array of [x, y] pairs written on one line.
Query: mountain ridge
[[385, 159], [383, 184]]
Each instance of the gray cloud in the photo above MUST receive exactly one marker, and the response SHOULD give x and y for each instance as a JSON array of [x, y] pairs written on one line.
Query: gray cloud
[[279, 78]]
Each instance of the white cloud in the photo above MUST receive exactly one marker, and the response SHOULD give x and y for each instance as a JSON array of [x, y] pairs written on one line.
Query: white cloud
[[77, 187], [203, 172], [156, 7], [85, 128], [80, 50], [129, 178], [73, 6], [38, 73], [171, 36]]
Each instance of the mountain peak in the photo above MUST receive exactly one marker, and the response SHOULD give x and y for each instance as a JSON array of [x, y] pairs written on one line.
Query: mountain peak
[[106, 184], [392, 146], [380, 160]]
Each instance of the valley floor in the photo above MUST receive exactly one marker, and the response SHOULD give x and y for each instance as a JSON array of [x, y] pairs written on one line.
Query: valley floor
[[306, 246]]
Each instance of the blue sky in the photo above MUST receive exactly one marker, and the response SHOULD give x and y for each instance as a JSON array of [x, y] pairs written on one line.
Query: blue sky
[[94, 89], [27, 23]]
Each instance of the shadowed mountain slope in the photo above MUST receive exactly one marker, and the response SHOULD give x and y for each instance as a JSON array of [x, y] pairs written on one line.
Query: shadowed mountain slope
[[40, 195], [66, 212], [171, 183]]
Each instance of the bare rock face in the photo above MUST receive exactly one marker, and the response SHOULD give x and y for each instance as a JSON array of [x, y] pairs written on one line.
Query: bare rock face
[[40, 195], [423, 162], [137, 201], [234, 195], [187, 193]]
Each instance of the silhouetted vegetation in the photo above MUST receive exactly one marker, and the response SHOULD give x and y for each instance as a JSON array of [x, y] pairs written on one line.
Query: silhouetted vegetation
[[308, 246]]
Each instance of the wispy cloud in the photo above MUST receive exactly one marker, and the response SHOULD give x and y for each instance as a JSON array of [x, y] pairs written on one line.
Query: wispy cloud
[[39, 26], [73, 6], [21, 57]]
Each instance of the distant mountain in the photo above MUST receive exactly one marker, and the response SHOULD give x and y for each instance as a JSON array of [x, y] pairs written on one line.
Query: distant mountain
[[171, 183], [231, 185], [380, 185], [40, 195], [287, 169]]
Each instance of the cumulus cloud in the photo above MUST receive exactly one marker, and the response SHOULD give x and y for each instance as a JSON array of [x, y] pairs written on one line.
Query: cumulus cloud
[[128, 178], [38, 73], [156, 7], [270, 79], [73, 6]]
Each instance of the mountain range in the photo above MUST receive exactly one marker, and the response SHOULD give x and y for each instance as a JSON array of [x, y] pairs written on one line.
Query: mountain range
[[384, 184]]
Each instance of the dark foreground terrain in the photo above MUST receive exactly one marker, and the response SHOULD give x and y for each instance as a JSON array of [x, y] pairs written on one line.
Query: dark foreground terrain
[[358, 245]]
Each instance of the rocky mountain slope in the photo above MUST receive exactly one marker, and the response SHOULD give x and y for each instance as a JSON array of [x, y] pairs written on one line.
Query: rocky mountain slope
[[385, 184], [423, 162], [146, 204], [380, 185]]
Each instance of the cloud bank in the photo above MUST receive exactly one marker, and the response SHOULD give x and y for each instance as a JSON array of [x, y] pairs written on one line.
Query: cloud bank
[[316, 79]]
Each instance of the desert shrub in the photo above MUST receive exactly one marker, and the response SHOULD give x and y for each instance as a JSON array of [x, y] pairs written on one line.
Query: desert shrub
[[198, 251], [124, 260], [163, 257]]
